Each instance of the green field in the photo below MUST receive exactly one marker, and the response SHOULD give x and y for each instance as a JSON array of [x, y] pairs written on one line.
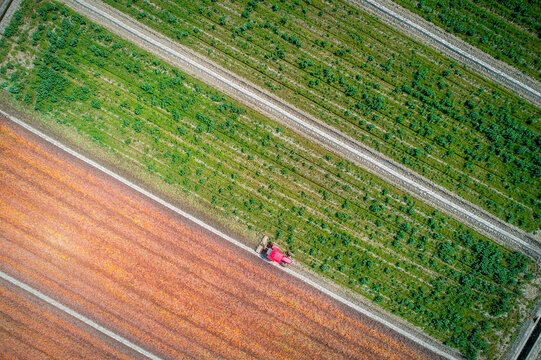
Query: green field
[[339, 219], [373, 83], [509, 30]]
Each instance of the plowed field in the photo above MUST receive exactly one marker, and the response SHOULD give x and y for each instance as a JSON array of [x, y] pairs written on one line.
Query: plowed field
[[152, 277], [30, 329]]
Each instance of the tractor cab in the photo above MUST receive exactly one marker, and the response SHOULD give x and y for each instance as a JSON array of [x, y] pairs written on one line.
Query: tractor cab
[[273, 253]]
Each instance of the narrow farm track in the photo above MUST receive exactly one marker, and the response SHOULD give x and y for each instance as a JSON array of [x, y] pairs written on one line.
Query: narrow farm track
[[29, 328], [116, 257], [312, 128], [4, 4]]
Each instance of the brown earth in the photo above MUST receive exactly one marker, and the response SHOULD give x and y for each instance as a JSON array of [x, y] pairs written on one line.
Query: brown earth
[[154, 278], [30, 328]]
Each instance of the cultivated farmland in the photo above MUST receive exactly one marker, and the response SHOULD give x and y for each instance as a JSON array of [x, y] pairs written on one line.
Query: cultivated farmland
[[231, 161], [176, 290], [378, 86], [29, 329], [508, 30]]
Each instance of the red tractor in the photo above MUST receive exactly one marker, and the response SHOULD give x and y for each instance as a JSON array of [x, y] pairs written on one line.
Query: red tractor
[[272, 252]]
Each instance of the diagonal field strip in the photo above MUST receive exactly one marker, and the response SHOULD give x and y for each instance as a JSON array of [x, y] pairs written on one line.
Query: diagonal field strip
[[454, 48], [407, 334], [78, 316], [334, 140]]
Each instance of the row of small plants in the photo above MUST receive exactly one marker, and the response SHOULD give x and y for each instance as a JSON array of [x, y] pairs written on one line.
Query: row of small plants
[[336, 217], [376, 85]]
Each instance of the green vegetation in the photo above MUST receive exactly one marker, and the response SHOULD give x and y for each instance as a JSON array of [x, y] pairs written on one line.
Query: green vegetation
[[373, 83], [339, 219], [509, 30]]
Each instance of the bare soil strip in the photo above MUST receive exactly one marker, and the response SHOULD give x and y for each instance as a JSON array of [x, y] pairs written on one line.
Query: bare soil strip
[[118, 258], [7, 9]]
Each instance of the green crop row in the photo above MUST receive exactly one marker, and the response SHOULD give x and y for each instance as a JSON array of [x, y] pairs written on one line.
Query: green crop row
[[338, 218], [507, 30], [378, 86]]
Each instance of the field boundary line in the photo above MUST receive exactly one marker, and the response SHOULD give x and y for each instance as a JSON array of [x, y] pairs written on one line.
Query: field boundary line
[[78, 316], [230, 239]]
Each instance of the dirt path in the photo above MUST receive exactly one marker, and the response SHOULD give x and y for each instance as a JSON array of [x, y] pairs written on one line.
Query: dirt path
[[7, 9], [118, 258]]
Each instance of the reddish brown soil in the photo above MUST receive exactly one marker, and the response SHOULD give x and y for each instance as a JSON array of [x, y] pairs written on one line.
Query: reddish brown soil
[[30, 328], [149, 275]]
